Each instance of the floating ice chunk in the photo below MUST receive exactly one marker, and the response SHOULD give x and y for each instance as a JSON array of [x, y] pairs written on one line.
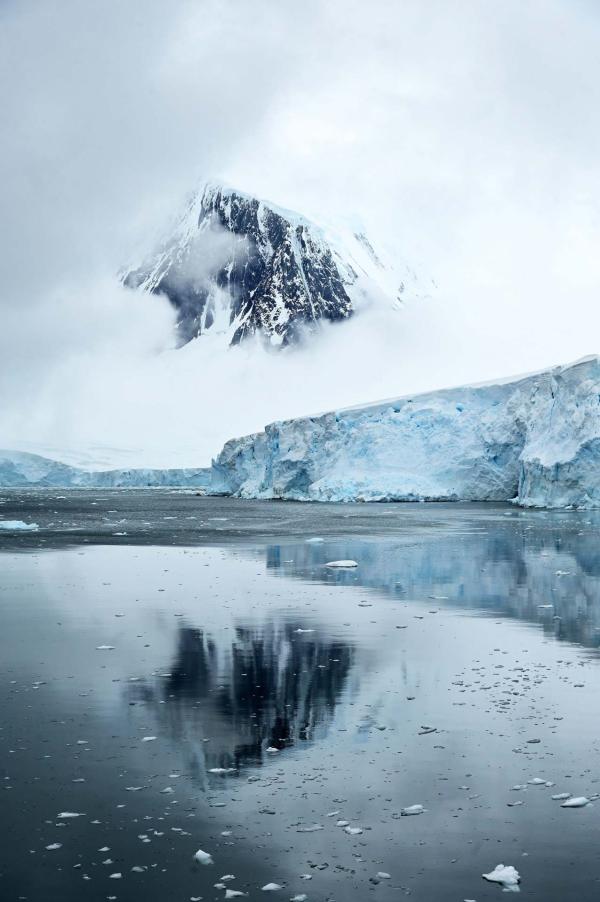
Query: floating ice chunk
[[18, 524], [314, 540], [300, 897], [233, 893], [412, 809], [341, 564], [115, 876], [227, 877], [271, 887], [577, 802], [506, 875], [314, 829], [342, 823], [272, 750], [222, 770], [561, 796], [167, 790], [383, 875], [65, 814], [203, 857], [300, 630], [148, 738], [53, 846], [353, 831], [537, 781], [105, 648]]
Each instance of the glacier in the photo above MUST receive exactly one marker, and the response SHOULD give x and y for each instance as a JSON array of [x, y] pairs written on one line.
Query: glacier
[[20, 469], [534, 440]]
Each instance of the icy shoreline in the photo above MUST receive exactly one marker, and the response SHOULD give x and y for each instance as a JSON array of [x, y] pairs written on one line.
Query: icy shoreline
[[534, 440]]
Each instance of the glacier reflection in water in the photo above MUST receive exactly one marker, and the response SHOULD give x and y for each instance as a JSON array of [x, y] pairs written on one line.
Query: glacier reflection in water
[[547, 575]]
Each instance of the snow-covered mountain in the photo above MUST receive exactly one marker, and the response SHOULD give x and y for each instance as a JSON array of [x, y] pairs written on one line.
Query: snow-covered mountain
[[240, 266], [534, 440], [19, 468]]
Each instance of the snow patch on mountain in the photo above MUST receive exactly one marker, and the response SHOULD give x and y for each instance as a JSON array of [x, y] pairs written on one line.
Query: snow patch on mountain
[[535, 440]]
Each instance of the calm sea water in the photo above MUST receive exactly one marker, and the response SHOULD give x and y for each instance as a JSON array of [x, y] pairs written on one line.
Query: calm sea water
[[185, 673]]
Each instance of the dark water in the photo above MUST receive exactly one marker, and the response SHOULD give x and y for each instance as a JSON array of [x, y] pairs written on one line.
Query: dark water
[[228, 637]]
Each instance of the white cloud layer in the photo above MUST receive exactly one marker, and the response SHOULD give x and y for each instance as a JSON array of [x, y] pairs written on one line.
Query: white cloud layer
[[465, 135]]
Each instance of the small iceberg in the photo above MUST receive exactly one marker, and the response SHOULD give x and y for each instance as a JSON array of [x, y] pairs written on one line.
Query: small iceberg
[[341, 564], [271, 887], [203, 857], [506, 875], [411, 810], [577, 802], [18, 524]]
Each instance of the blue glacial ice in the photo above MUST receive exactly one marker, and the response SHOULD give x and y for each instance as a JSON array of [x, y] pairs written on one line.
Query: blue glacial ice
[[534, 440], [21, 469]]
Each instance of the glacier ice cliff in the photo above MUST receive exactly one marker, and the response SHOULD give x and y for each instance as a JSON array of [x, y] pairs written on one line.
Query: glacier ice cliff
[[21, 469], [534, 440]]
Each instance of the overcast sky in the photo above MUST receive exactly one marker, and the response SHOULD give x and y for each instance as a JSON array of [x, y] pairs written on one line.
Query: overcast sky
[[463, 135]]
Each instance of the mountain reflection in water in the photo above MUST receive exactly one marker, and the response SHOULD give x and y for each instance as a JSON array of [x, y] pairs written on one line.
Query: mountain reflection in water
[[271, 687]]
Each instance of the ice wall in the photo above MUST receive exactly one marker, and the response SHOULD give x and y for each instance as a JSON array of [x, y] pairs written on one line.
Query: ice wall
[[535, 440], [20, 469]]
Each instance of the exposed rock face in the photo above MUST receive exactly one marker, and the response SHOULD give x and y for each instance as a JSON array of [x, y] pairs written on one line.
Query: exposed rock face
[[243, 266], [535, 440]]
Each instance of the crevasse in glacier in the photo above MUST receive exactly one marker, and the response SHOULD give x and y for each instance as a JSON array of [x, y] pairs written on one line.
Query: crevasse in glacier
[[535, 440]]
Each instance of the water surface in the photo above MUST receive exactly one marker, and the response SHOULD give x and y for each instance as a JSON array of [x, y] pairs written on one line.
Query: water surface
[[209, 683]]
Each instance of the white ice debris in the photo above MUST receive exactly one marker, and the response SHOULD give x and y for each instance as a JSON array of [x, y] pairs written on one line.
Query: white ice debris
[[577, 802], [412, 809], [148, 738], [561, 796], [203, 857], [271, 887], [18, 524], [353, 831], [342, 565], [506, 875], [66, 814], [105, 648], [222, 770], [535, 439], [53, 846], [233, 893]]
